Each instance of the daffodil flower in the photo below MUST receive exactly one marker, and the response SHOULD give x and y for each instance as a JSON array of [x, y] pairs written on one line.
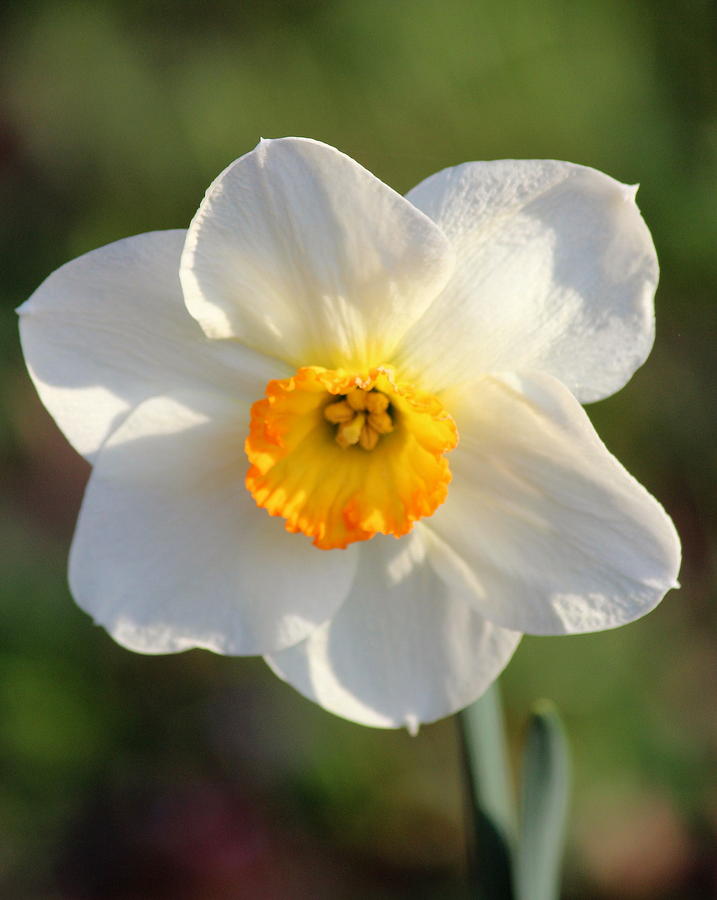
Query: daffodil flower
[[342, 429]]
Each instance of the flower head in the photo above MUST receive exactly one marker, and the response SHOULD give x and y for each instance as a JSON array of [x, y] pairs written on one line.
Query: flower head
[[319, 366]]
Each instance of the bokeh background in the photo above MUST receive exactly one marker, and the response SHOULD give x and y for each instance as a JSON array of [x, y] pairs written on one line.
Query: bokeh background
[[203, 778]]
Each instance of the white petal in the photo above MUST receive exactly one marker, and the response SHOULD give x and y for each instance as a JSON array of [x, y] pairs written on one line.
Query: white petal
[[402, 649], [301, 253], [555, 272], [555, 536], [171, 552], [110, 329]]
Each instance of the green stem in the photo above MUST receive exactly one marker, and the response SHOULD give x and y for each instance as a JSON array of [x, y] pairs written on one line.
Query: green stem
[[486, 745], [493, 818]]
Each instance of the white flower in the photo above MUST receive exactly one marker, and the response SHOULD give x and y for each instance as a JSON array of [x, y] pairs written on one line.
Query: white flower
[[382, 344]]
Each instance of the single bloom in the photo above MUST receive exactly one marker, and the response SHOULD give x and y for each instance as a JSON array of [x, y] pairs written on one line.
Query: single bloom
[[342, 429]]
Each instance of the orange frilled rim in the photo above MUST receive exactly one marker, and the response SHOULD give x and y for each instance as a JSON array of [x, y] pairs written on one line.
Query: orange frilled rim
[[339, 494]]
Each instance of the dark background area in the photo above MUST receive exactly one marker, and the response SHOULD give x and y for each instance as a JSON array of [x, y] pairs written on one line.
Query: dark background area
[[197, 777]]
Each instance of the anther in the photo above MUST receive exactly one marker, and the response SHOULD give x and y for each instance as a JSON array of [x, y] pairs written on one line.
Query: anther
[[376, 402], [338, 412], [350, 432], [381, 422], [361, 416], [368, 438], [356, 399]]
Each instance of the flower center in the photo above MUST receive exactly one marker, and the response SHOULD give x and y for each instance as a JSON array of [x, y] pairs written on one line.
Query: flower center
[[361, 417], [343, 456]]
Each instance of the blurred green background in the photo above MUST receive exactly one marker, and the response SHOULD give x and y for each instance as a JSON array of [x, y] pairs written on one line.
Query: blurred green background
[[197, 776]]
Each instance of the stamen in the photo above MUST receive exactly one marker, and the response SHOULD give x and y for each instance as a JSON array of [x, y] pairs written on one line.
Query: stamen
[[376, 402], [368, 438], [338, 412], [356, 399], [362, 417], [350, 432], [381, 422]]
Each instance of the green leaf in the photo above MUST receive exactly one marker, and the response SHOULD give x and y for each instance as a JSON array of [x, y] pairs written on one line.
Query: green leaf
[[545, 790]]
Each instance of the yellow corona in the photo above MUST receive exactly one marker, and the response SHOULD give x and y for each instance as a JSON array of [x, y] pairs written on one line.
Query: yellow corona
[[343, 456]]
